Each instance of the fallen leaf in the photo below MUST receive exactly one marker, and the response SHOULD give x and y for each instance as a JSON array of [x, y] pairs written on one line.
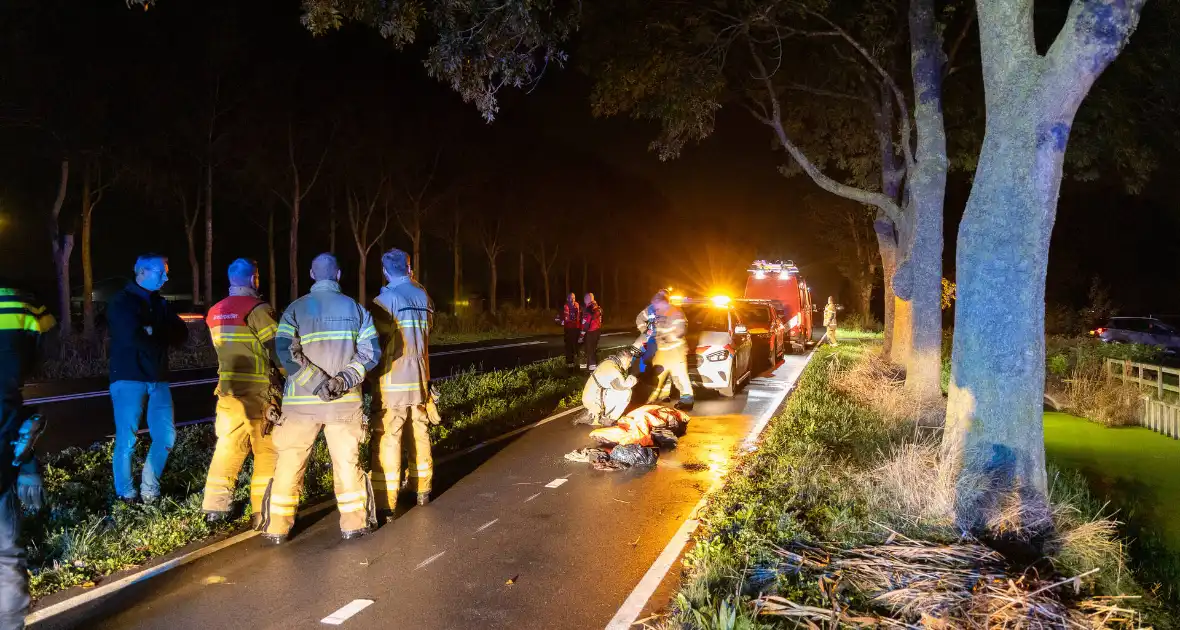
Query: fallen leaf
[[88, 585], [512, 580], [214, 579]]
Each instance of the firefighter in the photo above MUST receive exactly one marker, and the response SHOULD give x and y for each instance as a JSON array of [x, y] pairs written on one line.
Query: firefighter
[[23, 322], [327, 344], [571, 320], [243, 328], [667, 325], [591, 330], [142, 326], [830, 320], [608, 390], [403, 405]]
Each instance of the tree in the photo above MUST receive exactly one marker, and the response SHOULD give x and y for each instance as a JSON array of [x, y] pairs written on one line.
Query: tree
[[299, 191], [848, 234], [421, 198], [545, 261], [492, 240], [454, 237], [93, 189], [360, 218], [993, 424], [62, 241]]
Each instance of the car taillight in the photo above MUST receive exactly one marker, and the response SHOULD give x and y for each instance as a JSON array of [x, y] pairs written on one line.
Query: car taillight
[[1098, 331], [719, 355]]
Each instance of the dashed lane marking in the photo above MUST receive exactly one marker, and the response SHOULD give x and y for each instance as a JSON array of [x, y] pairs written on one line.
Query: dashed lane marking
[[532, 497], [556, 483], [486, 525], [429, 560], [349, 609]]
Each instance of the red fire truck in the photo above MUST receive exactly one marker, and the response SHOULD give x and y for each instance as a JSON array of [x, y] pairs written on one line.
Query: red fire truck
[[780, 283]]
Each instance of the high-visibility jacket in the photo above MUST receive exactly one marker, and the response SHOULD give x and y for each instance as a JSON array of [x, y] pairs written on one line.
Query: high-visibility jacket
[[319, 336], [23, 322], [571, 316], [670, 328], [243, 328], [830, 315], [592, 317], [404, 317]]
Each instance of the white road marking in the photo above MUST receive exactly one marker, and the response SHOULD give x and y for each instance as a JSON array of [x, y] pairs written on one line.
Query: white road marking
[[633, 606], [429, 560], [499, 347], [556, 483], [486, 525], [107, 392], [350, 609], [501, 438], [532, 497]]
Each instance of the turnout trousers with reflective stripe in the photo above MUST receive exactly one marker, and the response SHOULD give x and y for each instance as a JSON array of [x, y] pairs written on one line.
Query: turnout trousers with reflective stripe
[[674, 364], [294, 440], [239, 424], [401, 427]]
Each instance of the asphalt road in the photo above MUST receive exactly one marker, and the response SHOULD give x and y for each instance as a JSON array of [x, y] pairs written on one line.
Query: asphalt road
[[517, 537], [79, 412]]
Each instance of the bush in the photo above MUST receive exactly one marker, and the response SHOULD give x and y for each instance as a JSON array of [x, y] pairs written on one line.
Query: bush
[[1076, 367], [79, 357], [861, 322], [85, 534]]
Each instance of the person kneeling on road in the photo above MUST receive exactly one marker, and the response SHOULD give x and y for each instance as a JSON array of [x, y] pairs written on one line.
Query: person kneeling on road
[[608, 390], [324, 332]]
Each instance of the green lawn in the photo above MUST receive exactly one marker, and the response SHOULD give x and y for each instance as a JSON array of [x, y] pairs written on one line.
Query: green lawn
[[1138, 471]]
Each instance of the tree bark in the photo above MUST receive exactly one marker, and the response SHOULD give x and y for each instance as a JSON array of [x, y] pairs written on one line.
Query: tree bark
[[190, 234], [63, 245], [458, 277], [524, 302], [494, 277], [293, 243], [270, 252], [209, 234], [887, 247], [927, 185], [994, 426], [88, 330]]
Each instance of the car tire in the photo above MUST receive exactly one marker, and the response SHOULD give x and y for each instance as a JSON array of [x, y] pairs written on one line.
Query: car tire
[[729, 390]]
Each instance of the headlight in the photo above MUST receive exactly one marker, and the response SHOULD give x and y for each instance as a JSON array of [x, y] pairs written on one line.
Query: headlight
[[719, 355]]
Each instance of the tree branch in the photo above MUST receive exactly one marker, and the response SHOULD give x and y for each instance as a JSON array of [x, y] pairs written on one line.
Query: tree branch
[[1095, 32]]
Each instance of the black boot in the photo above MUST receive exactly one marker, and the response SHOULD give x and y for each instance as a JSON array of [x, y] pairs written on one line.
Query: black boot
[[274, 539], [216, 517], [353, 534]]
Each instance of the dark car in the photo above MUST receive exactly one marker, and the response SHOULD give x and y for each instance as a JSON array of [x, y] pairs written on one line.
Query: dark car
[[766, 326], [1149, 331]]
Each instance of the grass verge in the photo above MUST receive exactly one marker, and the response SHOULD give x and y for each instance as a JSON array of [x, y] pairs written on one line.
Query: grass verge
[[845, 512], [81, 537]]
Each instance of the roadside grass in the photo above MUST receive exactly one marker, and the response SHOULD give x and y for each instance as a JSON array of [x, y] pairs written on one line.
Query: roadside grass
[[1136, 470], [81, 537], [845, 512]]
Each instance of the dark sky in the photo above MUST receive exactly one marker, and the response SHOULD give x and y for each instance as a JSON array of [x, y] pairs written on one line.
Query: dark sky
[[722, 201]]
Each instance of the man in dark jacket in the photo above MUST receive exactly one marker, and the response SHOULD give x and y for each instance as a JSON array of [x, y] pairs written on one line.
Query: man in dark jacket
[[143, 326], [23, 322]]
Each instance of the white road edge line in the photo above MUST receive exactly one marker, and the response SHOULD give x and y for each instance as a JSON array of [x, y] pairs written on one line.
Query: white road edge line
[[107, 589], [532, 497], [499, 347], [487, 525], [635, 602], [429, 560], [347, 611]]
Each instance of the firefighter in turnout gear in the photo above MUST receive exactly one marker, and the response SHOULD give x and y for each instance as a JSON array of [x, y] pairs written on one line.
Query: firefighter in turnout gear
[[243, 328], [327, 344], [666, 323], [403, 404], [830, 320], [608, 390], [23, 322]]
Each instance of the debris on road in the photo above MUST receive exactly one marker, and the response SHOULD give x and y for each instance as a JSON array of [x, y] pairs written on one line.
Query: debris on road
[[635, 440]]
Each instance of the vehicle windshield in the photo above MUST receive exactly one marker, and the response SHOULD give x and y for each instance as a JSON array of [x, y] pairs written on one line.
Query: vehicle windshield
[[755, 315], [706, 318]]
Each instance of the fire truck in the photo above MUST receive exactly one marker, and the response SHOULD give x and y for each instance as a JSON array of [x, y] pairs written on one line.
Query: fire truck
[[780, 283]]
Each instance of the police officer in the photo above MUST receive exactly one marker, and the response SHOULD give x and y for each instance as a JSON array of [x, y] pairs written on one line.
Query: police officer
[[667, 324], [403, 406], [23, 322], [327, 344], [243, 328]]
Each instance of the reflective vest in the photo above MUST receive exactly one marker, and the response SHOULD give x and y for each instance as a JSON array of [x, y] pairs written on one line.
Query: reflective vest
[[243, 329], [319, 336], [404, 317], [670, 328], [23, 322], [592, 318], [571, 316]]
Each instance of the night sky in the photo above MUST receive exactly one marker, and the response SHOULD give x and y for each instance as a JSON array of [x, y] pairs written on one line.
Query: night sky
[[104, 77]]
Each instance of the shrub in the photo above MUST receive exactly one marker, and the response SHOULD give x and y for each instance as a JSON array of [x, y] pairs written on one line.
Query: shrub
[[861, 322]]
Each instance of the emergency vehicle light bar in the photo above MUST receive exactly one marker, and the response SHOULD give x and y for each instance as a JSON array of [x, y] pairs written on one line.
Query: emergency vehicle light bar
[[761, 267]]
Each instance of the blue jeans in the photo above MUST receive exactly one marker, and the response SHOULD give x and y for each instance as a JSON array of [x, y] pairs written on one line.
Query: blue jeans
[[14, 577], [130, 399]]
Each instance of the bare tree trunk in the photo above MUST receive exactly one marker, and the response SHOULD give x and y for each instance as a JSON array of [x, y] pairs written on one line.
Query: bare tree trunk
[[209, 234], [524, 302], [545, 273], [567, 281], [585, 275], [418, 250], [457, 279], [492, 292], [362, 277], [293, 243], [887, 246], [270, 252], [190, 234], [88, 330], [63, 246]]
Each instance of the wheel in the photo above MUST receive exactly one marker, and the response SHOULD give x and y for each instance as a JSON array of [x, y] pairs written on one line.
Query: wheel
[[772, 355]]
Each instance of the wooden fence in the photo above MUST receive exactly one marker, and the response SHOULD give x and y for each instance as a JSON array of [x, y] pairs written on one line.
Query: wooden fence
[[1160, 384]]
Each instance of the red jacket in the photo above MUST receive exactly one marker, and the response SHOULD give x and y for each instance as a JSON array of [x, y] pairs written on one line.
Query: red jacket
[[592, 318], [571, 316]]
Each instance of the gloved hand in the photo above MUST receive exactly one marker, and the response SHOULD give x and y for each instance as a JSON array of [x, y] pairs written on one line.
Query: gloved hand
[[272, 416], [350, 378], [332, 389], [432, 414], [29, 489]]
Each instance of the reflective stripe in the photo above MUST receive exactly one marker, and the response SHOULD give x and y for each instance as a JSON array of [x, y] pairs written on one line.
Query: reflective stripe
[[304, 375], [35, 310], [351, 507], [285, 330], [327, 335], [282, 510], [350, 496], [413, 323], [385, 477], [402, 387], [268, 333], [359, 367], [315, 400], [24, 321], [368, 333], [245, 377]]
